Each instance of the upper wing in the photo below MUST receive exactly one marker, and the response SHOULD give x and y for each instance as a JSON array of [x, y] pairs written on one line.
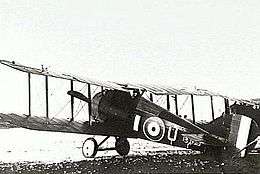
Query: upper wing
[[66, 76], [155, 89], [169, 90]]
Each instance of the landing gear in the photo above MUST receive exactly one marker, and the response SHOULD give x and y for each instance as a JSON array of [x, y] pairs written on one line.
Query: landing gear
[[122, 146], [90, 147]]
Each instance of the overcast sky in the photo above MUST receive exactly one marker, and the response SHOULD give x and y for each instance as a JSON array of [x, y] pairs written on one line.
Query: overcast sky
[[204, 43]]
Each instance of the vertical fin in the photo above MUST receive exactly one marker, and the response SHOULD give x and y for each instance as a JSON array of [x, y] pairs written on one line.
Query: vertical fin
[[239, 132]]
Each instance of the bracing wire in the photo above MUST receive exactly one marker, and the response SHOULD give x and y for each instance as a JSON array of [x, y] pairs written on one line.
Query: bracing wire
[[54, 96], [83, 88], [78, 108], [186, 99], [95, 90], [63, 107], [158, 99], [82, 106], [147, 95]]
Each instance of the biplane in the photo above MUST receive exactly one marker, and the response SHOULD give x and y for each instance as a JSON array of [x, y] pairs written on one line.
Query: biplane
[[120, 110]]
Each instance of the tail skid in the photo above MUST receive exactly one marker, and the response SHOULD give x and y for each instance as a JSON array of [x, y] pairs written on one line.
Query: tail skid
[[246, 147]]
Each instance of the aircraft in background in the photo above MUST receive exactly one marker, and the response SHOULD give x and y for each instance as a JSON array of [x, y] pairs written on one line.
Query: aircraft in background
[[121, 111]]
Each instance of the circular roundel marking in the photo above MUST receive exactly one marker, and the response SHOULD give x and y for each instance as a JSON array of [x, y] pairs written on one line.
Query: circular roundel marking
[[154, 128]]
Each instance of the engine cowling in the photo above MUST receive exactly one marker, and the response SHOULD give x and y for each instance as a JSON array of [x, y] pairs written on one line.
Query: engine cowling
[[112, 104]]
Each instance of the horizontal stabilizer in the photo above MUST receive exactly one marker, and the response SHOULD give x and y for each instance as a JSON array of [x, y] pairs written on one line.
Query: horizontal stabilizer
[[79, 95]]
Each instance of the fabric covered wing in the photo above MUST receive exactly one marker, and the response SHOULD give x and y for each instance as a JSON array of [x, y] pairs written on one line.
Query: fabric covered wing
[[155, 89], [62, 125], [66, 76], [177, 90], [40, 123]]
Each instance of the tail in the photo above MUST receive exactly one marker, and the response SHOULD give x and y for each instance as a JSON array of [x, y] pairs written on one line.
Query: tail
[[220, 126], [240, 128], [245, 128]]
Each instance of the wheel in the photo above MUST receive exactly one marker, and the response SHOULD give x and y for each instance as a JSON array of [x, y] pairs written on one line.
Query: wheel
[[89, 148], [122, 146]]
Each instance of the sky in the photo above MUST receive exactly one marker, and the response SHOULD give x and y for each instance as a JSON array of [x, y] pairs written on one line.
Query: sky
[[203, 43]]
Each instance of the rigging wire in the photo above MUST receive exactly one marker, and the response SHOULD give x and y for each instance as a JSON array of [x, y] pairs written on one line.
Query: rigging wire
[[147, 95], [186, 99], [159, 99], [62, 109], [83, 89], [78, 108], [53, 96], [64, 106], [82, 106], [95, 90]]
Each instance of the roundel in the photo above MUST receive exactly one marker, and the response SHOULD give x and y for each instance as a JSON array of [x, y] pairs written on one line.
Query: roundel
[[154, 128]]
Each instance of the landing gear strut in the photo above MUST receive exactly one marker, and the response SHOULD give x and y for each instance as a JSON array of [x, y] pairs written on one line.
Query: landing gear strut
[[91, 147]]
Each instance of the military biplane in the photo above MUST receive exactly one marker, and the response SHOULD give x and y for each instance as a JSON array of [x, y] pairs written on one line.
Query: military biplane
[[121, 111]]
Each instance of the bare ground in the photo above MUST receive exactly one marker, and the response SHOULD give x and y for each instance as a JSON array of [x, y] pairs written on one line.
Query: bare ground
[[158, 162]]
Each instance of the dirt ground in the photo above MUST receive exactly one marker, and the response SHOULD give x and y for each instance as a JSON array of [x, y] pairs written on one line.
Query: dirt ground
[[159, 162]]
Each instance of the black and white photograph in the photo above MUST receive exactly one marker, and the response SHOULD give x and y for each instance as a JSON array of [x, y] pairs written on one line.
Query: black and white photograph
[[129, 86]]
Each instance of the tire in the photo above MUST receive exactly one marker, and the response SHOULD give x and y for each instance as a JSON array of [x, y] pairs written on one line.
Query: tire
[[89, 148], [122, 146]]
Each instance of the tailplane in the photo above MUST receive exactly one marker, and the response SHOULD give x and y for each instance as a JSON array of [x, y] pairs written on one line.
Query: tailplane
[[245, 130], [241, 131]]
